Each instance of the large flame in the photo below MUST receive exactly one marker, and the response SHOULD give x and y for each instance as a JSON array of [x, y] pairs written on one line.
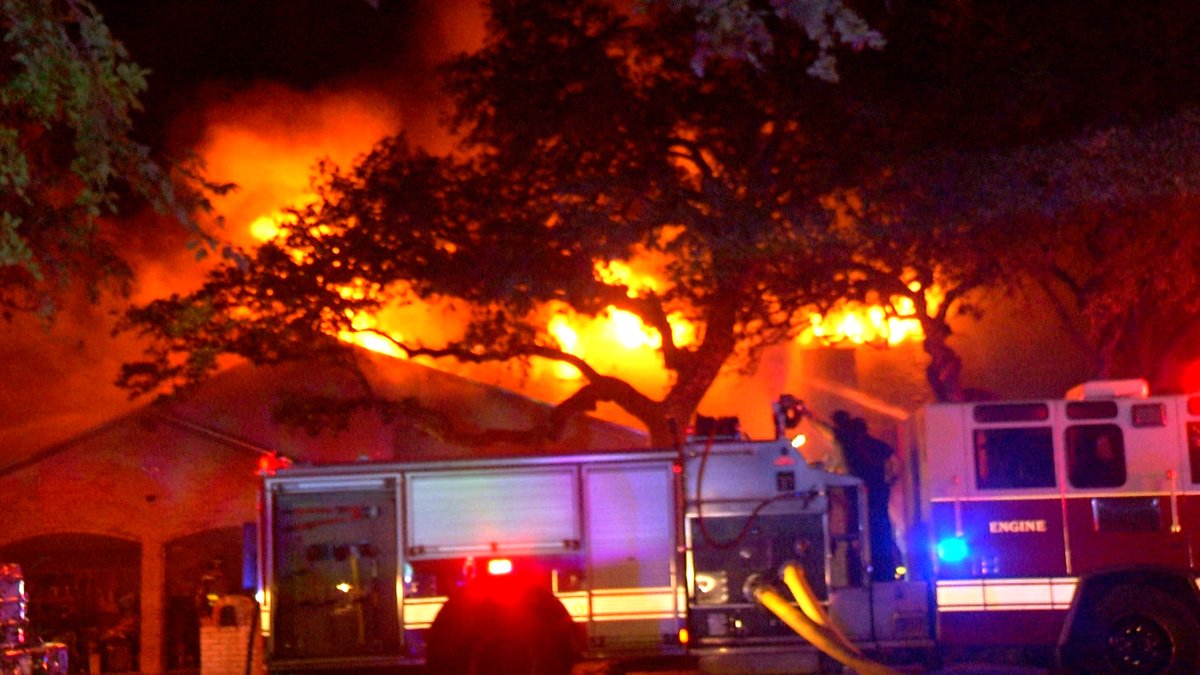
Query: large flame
[[617, 339], [853, 323]]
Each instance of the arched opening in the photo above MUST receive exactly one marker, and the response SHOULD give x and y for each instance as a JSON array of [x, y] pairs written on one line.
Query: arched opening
[[199, 567], [84, 590]]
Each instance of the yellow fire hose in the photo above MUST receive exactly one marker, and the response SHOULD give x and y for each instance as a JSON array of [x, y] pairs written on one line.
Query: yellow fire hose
[[797, 582], [812, 623]]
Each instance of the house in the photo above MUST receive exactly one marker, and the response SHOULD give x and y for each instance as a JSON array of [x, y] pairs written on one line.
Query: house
[[124, 530]]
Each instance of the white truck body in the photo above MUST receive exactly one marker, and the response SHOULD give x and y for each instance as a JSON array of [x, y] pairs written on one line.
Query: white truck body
[[648, 559]]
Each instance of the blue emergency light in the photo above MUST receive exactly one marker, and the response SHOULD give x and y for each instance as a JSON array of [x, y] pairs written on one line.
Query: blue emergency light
[[953, 549]]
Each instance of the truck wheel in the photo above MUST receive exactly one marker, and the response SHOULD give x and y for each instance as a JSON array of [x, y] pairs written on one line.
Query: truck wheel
[[1147, 631], [529, 634]]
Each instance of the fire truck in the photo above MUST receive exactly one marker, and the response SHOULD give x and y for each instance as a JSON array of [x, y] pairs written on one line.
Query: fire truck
[[1071, 522], [1067, 524], [525, 564]]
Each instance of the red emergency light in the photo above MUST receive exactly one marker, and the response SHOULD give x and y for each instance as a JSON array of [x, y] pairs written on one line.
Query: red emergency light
[[269, 463]]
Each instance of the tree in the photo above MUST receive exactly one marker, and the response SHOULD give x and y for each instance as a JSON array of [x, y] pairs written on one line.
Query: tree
[[1091, 224], [742, 30], [588, 139], [1116, 242], [67, 92], [1020, 150]]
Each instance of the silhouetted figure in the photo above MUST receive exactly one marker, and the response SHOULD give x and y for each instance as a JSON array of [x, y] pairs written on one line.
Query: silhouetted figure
[[1100, 465], [867, 458]]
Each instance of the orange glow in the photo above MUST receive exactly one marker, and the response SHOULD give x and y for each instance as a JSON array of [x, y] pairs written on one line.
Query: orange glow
[[374, 342], [852, 324], [629, 331], [568, 341], [370, 340], [266, 228], [618, 272], [272, 158]]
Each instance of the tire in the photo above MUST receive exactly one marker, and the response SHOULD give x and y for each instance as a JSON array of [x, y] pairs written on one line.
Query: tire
[[529, 633], [1145, 631]]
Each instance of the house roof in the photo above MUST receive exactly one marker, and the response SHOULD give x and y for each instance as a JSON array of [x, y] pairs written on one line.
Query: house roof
[[237, 407]]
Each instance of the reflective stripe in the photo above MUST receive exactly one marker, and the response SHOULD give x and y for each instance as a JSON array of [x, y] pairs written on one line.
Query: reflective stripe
[[264, 612], [633, 603], [618, 604], [419, 612], [1075, 493], [1005, 595], [575, 603]]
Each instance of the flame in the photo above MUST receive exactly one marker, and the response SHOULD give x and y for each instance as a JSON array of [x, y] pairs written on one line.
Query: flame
[[271, 159], [621, 273], [568, 341], [267, 227], [854, 323], [363, 336], [272, 162], [629, 331]]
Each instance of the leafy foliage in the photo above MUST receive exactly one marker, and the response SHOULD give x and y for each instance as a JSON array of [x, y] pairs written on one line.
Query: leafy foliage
[[742, 29], [1116, 241], [67, 93], [1089, 224]]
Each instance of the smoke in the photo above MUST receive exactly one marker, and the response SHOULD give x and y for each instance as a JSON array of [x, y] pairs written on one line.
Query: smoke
[[262, 134]]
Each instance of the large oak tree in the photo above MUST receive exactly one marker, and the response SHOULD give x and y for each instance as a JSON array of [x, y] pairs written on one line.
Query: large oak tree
[[587, 138]]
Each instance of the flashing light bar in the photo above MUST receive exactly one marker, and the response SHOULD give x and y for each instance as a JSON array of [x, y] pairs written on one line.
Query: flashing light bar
[[499, 566], [953, 550]]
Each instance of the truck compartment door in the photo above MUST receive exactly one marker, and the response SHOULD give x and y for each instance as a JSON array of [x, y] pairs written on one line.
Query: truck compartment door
[[333, 571], [471, 512]]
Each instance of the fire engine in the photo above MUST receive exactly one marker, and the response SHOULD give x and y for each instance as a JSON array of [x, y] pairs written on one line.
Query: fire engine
[[1064, 523], [523, 564], [1069, 522]]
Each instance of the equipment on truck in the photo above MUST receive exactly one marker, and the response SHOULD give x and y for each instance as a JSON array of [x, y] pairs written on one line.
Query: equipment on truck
[[18, 654], [523, 564], [1072, 522]]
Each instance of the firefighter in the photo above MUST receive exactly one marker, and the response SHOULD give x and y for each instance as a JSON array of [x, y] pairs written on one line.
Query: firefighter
[[867, 458], [1100, 465]]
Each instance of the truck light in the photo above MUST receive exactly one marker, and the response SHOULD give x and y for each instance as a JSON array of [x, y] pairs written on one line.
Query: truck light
[[498, 566], [953, 549], [684, 636]]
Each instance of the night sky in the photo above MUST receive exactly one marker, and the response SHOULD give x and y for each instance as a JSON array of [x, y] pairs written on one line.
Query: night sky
[[200, 49]]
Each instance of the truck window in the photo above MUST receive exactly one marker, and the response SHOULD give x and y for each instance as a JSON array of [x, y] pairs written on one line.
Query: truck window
[[1148, 415], [1091, 410], [1017, 457], [1095, 455], [1012, 412]]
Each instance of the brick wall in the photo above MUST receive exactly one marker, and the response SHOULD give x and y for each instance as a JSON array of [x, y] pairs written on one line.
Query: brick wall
[[223, 648]]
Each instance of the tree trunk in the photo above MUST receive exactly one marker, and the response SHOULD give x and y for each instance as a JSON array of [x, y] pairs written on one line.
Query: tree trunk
[[944, 371]]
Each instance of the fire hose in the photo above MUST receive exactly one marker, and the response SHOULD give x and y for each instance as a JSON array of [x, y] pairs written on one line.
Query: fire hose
[[811, 621]]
